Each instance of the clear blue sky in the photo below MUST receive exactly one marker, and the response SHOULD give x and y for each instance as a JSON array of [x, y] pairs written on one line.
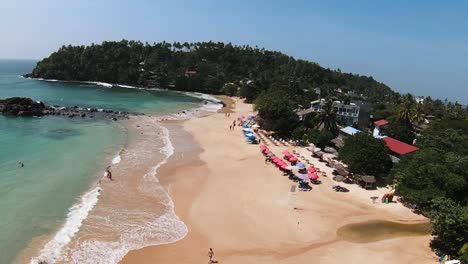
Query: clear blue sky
[[413, 46]]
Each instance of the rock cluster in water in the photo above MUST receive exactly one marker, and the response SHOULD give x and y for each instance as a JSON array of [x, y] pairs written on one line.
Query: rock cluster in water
[[21, 106]]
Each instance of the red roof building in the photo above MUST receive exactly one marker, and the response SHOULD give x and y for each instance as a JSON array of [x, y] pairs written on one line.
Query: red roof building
[[399, 147], [381, 122], [190, 72]]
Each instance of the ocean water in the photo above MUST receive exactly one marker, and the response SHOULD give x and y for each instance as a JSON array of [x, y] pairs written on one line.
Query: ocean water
[[63, 157]]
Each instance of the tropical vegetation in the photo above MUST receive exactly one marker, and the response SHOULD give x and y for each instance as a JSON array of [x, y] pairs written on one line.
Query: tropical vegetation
[[365, 155]]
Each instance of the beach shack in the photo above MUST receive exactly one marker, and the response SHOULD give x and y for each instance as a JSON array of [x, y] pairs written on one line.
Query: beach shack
[[367, 182]]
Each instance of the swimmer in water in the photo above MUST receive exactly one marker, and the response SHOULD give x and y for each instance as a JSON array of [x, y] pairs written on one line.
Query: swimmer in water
[[21, 164]]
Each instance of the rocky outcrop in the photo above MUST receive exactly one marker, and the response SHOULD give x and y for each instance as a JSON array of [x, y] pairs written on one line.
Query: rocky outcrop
[[20, 106]]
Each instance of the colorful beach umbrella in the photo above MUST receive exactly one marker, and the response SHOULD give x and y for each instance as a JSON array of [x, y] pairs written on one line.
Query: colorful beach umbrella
[[300, 165], [311, 169], [301, 176], [313, 176], [292, 159]]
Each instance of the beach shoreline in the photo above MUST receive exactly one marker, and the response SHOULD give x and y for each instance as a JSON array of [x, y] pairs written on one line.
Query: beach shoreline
[[140, 130], [232, 202]]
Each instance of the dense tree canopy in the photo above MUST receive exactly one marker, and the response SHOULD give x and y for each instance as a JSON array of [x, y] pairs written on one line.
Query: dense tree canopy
[[449, 228], [276, 112], [435, 179], [202, 67], [365, 154]]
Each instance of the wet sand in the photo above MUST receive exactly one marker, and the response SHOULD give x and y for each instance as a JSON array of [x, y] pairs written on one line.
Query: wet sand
[[232, 201]]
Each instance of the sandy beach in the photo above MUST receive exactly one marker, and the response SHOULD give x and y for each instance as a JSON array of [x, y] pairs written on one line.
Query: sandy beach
[[245, 210]]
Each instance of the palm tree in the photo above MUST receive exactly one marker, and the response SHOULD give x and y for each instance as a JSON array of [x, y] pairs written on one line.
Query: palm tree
[[405, 109], [418, 114], [327, 117]]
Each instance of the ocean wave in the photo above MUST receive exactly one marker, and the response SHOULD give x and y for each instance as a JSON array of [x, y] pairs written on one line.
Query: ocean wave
[[166, 228], [140, 228], [116, 159], [103, 84], [167, 150], [77, 213]]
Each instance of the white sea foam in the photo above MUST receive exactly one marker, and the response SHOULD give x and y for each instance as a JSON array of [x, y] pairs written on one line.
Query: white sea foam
[[116, 159], [167, 228], [206, 97], [167, 150], [77, 213], [103, 84], [140, 228], [126, 86]]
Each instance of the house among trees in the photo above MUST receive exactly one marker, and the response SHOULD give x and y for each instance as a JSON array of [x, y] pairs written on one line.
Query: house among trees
[[348, 113], [379, 126], [398, 148]]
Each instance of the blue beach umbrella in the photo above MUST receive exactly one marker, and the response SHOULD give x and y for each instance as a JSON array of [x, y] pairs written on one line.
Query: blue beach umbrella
[[300, 165]]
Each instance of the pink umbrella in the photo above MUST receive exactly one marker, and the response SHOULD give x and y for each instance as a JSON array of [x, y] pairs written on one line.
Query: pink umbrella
[[313, 176], [287, 154], [263, 147], [267, 151], [292, 159], [283, 166], [311, 169]]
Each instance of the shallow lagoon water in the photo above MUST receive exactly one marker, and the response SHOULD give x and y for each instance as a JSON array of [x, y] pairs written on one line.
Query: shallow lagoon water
[[376, 230]]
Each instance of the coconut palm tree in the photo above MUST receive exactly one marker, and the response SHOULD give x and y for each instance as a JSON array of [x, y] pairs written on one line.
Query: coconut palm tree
[[327, 117], [406, 109], [418, 114]]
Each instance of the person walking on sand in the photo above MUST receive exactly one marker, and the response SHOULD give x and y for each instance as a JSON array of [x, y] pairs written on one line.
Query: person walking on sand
[[108, 173], [230, 127], [210, 254]]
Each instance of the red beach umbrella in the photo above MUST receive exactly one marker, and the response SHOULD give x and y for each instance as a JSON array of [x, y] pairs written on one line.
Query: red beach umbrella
[[292, 159], [311, 169], [313, 176], [263, 147]]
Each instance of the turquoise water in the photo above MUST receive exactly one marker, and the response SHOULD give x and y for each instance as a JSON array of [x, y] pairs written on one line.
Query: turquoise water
[[62, 156]]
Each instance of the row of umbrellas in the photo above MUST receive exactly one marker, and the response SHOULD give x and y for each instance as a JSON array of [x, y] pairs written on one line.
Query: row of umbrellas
[[280, 163], [248, 133]]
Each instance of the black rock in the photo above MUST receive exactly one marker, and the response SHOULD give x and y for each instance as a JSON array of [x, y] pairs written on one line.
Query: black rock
[[20, 106]]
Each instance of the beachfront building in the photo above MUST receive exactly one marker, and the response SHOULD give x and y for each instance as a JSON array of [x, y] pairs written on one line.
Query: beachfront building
[[344, 133], [347, 113]]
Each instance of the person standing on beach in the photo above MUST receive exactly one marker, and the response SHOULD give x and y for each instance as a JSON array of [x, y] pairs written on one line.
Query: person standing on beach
[[230, 127], [108, 173], [210, 255]]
